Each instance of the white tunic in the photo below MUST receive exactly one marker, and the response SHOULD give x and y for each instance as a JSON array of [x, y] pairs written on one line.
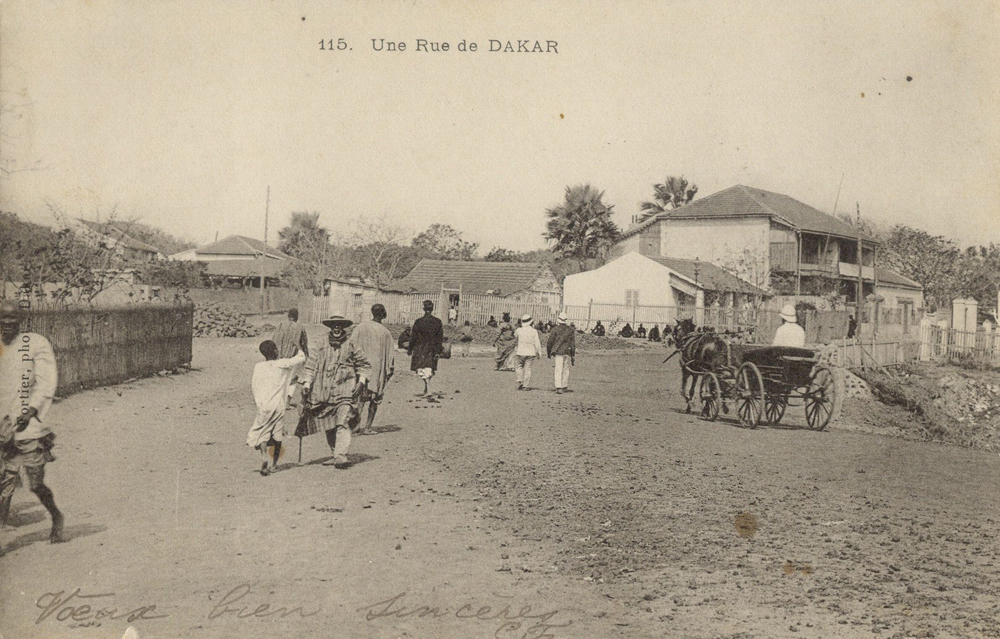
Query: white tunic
[[28, 379], [270, 392]]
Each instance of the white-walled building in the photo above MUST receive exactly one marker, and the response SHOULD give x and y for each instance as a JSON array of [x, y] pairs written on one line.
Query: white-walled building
[[656, 287]]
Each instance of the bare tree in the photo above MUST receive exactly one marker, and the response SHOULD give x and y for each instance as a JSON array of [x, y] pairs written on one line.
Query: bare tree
[[380, 244]]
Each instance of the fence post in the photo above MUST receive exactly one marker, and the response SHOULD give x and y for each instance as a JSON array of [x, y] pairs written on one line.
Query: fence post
[[590, 312], [925, 339]]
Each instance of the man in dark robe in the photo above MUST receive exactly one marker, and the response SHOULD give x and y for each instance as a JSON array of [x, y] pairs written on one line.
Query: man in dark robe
[[626, 331], [640, 332], [598, 329], [426, 344], [654, 333]]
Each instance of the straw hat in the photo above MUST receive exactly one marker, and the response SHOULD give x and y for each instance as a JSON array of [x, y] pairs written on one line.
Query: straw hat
[[526, 318], [563, 317], [337, 322], [788, 313]]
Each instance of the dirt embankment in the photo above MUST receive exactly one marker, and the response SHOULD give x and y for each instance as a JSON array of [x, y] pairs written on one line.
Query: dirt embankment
[[934, 403]]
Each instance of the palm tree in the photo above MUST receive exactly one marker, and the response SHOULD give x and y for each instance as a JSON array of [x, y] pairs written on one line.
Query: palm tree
[[581, 227], [674, 192]]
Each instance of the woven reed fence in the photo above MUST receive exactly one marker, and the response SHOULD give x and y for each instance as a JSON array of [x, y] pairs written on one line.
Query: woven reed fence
[[101, 346]]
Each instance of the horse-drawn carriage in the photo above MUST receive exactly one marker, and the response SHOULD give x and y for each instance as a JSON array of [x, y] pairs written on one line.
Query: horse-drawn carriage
[[760, 381]]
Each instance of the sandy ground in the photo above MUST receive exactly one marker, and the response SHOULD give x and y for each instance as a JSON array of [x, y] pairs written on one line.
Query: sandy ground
[[606, 512]]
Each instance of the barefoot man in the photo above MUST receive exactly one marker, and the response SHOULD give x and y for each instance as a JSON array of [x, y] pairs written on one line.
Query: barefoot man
[[375, 341], [28, 380]]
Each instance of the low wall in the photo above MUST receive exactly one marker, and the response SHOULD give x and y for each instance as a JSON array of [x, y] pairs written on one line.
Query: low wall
[[97, 347]]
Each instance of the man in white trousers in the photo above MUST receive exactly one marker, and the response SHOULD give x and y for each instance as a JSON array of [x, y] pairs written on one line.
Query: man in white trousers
[[562, 346], [529, 348]]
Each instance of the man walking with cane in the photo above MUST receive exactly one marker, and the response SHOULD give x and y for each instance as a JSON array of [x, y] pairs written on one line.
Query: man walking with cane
[[562, 346]]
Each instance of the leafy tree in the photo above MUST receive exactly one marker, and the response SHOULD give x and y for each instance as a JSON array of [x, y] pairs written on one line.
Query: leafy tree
[[581, 227], [674, 192], [931, 260], [498, 254], [309, 243], [442, 242]]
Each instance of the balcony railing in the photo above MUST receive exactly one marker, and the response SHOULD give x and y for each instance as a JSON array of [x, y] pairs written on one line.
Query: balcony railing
[[784, 258]]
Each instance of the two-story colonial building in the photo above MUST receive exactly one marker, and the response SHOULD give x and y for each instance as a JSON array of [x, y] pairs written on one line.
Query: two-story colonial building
[[798, 249]]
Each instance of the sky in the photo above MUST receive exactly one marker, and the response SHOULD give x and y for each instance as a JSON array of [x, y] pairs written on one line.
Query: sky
[[183, 113]]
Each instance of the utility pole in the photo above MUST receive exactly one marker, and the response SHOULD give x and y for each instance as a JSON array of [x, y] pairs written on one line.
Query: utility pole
[[263, 255], [861, 286]]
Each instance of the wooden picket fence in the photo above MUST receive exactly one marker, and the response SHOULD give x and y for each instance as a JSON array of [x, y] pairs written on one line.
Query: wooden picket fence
[[979, 349], [866, 354]]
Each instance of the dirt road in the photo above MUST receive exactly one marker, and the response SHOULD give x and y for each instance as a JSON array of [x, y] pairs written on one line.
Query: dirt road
[[602, 513]]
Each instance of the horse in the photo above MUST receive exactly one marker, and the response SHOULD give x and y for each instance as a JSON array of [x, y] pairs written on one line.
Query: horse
[[702, 351]]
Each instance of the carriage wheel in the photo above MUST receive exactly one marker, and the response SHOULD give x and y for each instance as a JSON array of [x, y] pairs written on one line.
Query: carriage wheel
[[711, 396], [749, 395], [774, 408], [819, 399]]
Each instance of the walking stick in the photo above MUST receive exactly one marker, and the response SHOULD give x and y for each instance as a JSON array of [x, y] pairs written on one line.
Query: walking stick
[[300, 450]]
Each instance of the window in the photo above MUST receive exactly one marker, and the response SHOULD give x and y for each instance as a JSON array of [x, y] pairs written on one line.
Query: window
[[631, 297]]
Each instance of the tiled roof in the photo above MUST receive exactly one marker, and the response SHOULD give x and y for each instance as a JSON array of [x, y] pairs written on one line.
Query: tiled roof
[[246, 268], [885, 276], [475, 278], [710, 277], [240, 245], [119, 235], [745, 201]]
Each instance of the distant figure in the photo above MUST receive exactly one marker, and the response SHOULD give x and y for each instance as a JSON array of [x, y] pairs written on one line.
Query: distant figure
[[598, 330], [641, 332], [506, 344], [540, 326], [375, 341], [529, 348], [852, 327], [626, 331], [789, 333], [271, 379], [654, 334], [562, 346], [493, 322], [466, 337], [404, 339], [290, 338], [426, 345], [453, 316]]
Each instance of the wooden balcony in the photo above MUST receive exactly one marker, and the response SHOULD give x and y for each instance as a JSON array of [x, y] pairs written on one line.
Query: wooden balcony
[[784, 256]]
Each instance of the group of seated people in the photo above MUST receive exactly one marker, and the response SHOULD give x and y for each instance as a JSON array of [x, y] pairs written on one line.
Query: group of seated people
[[653, 335]]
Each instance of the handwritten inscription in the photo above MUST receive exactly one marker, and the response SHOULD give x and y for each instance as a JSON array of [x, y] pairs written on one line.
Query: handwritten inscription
[[75, 607], [79, 606], [523, 623], [228, 606]]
